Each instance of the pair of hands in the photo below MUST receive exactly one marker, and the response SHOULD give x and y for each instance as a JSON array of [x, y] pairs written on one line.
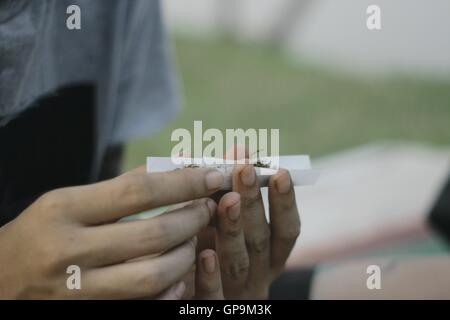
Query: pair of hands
[[149, 258]]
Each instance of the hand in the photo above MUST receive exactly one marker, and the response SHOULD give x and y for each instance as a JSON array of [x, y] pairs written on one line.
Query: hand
[[252, 252], [207, 286], [78, 226]]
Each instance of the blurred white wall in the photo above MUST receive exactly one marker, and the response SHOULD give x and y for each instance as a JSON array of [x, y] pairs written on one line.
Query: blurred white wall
[[415, 35], [191, 16]]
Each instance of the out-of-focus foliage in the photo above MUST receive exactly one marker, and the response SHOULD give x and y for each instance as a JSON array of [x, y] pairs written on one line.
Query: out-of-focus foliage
[[232, 85]]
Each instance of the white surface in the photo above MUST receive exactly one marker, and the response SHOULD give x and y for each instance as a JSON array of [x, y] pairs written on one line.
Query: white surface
[[299, 167], [415, 34], [368, 195]]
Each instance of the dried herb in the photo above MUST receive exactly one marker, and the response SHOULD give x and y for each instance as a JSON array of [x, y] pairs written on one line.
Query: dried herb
[[192, 166], [260, 164]]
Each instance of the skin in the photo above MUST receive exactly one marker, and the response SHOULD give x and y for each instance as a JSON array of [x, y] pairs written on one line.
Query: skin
[[238, 258], [124, 260], [252, 252], [208, 284]]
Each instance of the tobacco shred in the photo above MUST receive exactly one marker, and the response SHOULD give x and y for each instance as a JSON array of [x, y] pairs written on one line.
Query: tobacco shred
[[258, 164]]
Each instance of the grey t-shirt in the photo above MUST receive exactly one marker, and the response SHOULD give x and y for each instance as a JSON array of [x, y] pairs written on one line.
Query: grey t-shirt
[[121, 48]]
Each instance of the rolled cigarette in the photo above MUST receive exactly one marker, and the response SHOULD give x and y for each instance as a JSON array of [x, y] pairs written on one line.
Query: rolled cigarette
[[299, 167]]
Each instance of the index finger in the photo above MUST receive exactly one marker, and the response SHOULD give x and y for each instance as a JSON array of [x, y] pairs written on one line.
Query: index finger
[[137, 191]]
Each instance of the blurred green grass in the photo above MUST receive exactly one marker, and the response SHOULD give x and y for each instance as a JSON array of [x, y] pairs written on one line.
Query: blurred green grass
[[234, 85]]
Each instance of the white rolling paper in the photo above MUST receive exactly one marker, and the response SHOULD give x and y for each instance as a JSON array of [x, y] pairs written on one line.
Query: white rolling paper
[[299, 167]]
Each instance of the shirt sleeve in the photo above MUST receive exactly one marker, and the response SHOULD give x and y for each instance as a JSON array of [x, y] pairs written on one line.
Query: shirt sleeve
[[148, 94]]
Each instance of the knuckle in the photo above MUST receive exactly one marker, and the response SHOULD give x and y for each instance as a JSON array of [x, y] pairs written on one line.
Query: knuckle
[[78, 248], [133, 189], [154, 236], [127, 186], [233, 231], [251, 199], [238, 269], [259, 244], [53, 258], [53, 201], [290, 233]]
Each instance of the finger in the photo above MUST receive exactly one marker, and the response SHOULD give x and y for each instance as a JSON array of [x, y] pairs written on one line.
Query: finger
[[230, 244], [175, 292], [208, 285], [284, 219], [143, 278], [237, 152], [256, 228], [189, 280], [137, 191], [121, 241]]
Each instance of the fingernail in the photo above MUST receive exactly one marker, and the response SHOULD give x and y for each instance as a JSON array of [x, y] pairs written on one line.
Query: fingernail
[[283, 183], [234, 211], [248, 176], [212, 206], [209, 263], [180, 289], [214, 180]]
